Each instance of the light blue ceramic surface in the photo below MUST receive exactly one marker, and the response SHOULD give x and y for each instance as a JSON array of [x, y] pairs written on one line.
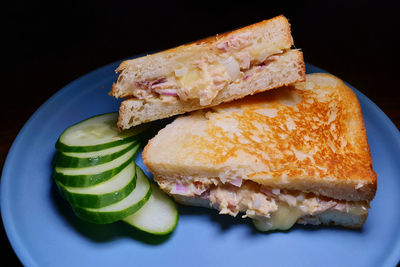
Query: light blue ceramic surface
[[44, 232]]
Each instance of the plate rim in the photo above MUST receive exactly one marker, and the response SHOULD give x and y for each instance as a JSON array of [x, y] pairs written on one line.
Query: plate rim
[[12, 234]]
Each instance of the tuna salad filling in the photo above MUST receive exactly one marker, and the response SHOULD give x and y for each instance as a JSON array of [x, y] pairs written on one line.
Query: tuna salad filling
[[273, 208], [203, 77]]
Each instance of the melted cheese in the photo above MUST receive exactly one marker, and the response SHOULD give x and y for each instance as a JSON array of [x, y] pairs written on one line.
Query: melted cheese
[[189, 79], [208, 75], [199, 82], [282, 219], [286, 216]]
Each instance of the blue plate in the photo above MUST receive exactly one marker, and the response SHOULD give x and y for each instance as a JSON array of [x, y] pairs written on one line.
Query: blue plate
[[44, 231]]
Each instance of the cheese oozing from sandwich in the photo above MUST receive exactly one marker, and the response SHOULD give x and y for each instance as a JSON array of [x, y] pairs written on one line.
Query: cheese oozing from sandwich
[[271, 209]]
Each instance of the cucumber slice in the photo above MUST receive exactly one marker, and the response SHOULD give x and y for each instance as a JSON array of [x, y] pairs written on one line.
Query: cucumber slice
[[121, 209], [81, 177], [96, 133], [103, 194], [87, 159], [159, 216]]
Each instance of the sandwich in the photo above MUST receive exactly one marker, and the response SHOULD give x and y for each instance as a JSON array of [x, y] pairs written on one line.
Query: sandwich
[[297, 154], [208, 72]]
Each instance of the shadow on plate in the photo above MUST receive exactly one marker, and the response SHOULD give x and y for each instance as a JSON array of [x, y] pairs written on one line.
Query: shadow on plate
[[225, 221], [101, 232], [306, 228]]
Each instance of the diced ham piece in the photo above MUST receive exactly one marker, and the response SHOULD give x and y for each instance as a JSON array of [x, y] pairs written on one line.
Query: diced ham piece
[[291, 200]]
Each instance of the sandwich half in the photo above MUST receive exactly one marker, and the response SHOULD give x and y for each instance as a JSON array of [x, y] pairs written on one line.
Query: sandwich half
[[208, 72], [298, 154]]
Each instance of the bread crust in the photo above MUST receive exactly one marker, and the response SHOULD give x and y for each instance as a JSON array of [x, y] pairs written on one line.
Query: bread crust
[[285, 42], [308, 137]]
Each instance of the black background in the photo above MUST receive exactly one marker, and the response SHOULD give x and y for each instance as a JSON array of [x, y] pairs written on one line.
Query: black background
[[48, 45]]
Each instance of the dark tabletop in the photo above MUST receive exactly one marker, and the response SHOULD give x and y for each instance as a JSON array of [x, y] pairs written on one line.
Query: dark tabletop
[[50, 45]]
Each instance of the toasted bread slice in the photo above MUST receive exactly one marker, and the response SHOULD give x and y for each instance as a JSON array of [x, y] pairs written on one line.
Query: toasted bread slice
[[208, 72], [305, 140]]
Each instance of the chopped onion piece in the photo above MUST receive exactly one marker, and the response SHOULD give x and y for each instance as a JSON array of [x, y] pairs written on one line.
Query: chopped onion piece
[[232, 67], [276, 191], [340, 207], [171, 92], [291, 200], [179, 189], [300, 197], [257, 202], [223, 46], [266, 191], [237, 182]]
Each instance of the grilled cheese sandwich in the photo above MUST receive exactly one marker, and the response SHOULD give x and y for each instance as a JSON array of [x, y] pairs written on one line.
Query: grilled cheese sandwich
[[208, 72], [298, 154]]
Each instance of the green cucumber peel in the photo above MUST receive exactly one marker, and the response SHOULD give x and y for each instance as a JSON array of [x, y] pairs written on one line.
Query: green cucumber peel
[[121, 209], [102, 194], [81, 177]]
